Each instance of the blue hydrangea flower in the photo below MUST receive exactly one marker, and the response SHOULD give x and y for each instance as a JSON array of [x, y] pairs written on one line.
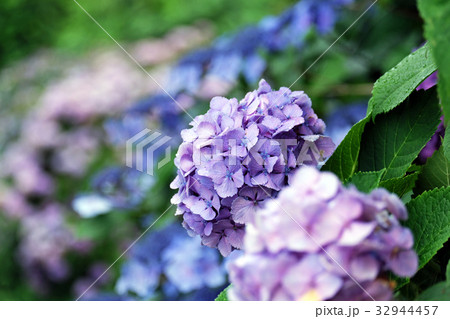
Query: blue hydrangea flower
[[169, 262], [189, 266], [235, 150], [238, 54], [321, 241], [141, 273], [120, 187], [139, 278], [340, 121]]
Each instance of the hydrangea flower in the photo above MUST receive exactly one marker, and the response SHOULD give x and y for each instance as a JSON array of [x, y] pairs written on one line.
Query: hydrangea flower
[[113, 188], [45, 241], [189, 266], [214, 70], [436, 140], [340, 121], [168, 261], [433, 144], [429, 82], [240, 153], [321, 241]]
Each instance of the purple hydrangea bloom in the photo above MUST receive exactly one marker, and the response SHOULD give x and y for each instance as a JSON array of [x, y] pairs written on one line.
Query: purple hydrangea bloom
[[435, 143], [45, 241], [429, 82], [321, 241], [240, 153]]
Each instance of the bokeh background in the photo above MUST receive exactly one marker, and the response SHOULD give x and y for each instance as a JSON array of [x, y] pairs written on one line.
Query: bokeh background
[[70, 98]]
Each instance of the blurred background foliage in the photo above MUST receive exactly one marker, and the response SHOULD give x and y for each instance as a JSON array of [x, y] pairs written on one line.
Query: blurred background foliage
[[27, 25], [51, 54]]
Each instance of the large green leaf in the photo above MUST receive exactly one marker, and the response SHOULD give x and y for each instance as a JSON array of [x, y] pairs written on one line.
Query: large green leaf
[[436, 14], [400, 185], [435, 173], [446, 144], [344, 161], [429, 220], [365, 181], [389, 91], [396, 138], [397, 84]]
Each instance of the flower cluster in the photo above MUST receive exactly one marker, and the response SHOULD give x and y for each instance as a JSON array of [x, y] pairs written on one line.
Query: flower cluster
[[215, 69], [186, 265], [240, 153], [54, 138], [45, 240], [321, 241]]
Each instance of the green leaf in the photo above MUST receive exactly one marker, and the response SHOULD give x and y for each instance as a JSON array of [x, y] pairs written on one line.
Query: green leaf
[[429, 220], [397, 137], [437, 28], [400, 185], [414, 168], [438, 292], [344, 160], [446, 144], [365, 181], [397, 84], [435, 173], [223, 296]]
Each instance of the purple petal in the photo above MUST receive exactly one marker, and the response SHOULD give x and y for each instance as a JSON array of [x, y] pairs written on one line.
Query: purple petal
[[404, 263], [189, 135], [224, 247], [292, 111], [200, 208], [235, 237], [238, 178], [206, 130], [261, 179], [208, 229], [356, 232], [327, 285], [218, 172], [242, 210], [325, 146], [226, 189], [272, 123], [364, 268]]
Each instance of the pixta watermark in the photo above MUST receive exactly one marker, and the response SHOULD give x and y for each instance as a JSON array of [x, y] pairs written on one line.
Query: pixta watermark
[[146, 148]]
